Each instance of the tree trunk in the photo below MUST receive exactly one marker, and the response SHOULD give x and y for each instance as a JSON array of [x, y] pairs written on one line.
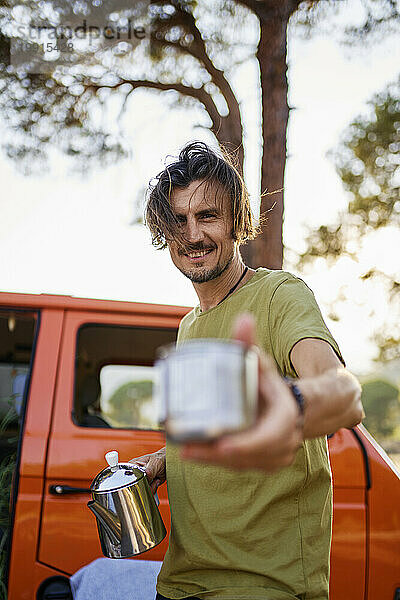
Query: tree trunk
[[271, 56], [230, 135], [267, 249]]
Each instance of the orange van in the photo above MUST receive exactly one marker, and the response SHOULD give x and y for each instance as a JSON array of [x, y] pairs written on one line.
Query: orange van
[[76, 381]]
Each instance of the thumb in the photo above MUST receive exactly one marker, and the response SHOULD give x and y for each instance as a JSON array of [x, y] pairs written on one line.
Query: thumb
[[244, 329]]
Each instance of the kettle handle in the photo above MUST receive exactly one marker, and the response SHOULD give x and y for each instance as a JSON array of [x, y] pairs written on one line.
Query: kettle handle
[[143, 469]]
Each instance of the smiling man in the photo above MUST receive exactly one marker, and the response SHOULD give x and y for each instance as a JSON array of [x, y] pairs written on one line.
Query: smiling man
[[251, 513]]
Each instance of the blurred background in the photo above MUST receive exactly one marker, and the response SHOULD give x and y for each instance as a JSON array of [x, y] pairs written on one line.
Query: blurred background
[[304, 94]]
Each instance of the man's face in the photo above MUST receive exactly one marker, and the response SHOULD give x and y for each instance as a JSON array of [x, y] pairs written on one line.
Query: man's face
[[206, 226]]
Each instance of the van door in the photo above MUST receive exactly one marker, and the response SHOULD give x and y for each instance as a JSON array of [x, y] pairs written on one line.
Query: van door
[[18, 332], [103, 402], [349, 543]]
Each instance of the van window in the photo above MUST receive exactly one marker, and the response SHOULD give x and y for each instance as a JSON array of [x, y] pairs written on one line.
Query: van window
[[114, 376], [17, 333]]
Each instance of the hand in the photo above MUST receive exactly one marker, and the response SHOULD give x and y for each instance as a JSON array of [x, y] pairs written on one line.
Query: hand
[[273, 441], [155, 467]]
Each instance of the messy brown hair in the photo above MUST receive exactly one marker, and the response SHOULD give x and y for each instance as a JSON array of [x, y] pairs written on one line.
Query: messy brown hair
[[198, 162]]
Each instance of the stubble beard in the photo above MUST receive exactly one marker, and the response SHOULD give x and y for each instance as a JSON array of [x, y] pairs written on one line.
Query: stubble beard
[[208, 275]]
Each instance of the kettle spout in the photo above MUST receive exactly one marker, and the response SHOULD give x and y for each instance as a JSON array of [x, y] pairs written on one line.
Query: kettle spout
[[107, 520]]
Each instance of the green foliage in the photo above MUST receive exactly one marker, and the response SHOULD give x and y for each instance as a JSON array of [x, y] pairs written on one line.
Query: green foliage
[[382, 407], [388, 343], [192, 47], [368, 162], [377, 18], [65, 107], [369, 159], [44, 105], [128, 404], [328, 242], [40, 112]]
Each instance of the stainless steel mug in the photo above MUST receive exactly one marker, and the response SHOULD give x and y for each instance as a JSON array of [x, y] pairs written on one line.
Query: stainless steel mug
[[127, 516], [206, 387]]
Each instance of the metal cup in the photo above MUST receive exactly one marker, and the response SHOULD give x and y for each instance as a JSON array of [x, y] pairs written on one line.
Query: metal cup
[[206, 388]]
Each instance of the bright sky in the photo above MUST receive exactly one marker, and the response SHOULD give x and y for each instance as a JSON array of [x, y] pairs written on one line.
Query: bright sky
[[67, 234]]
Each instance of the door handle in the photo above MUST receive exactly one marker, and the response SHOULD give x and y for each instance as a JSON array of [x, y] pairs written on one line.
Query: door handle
[[59, 490]]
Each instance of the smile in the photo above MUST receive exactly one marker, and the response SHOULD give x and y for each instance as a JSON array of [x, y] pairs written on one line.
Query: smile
[[197, 256]]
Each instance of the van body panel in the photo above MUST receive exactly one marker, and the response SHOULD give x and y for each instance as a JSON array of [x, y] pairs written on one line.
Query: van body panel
[[40, 400], [25, 572], [346, 460], [384, 522], [42, 301], [349, 532], [349, 545], [76, 453]]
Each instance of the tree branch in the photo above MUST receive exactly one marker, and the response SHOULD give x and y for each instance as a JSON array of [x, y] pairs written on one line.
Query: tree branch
[[199, 94], [198, 50]]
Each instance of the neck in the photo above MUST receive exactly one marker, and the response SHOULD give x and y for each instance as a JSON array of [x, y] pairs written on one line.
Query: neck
[[210, 293]]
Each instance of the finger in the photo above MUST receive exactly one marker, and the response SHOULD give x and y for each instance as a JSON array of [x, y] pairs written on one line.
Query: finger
[[273, 443], [144, 461], [259, 447], [154, 468], [269, 438], [154, 485], [212, 456], [254, 444], [238, 447], [150, 471], [141, 460], [194, 450], [267, 365]]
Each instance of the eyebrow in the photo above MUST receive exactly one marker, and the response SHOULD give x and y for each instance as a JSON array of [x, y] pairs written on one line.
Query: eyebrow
[[199, 213]]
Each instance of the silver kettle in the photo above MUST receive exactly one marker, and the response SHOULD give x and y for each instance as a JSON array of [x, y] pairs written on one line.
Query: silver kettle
[[128, 520]]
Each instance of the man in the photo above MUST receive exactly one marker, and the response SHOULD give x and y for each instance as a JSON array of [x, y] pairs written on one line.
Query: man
[[250, 513]]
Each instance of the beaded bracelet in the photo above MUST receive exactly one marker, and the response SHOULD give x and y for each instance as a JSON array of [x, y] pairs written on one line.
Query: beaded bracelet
[[298, 396]]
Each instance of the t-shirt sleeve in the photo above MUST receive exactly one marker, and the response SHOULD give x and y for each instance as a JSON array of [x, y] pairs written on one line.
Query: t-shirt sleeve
[[181, 332], [183, 326], [294, 315]]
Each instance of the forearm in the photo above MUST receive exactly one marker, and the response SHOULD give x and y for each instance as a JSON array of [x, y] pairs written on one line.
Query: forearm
[[332, 401]]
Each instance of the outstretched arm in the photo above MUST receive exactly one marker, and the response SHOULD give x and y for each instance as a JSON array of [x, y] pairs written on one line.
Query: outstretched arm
[[332, 394], [332, 400]]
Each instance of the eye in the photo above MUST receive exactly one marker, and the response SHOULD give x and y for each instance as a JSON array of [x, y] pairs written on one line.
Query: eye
[[208, 215]]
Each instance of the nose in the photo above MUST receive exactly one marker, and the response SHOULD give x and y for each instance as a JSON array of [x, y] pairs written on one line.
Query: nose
[[193, 231]]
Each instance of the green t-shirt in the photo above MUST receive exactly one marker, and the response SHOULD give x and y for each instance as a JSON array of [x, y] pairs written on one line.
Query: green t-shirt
[[249, 534]]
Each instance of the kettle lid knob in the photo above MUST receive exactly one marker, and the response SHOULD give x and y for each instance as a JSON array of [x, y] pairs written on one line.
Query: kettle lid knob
[[112, 459]]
